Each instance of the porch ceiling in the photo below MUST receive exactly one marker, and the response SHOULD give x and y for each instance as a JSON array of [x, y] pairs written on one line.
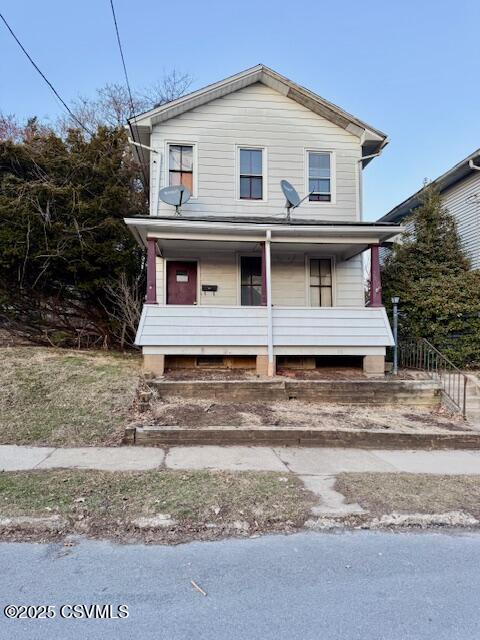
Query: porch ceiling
[[175, 248], [354, 237]]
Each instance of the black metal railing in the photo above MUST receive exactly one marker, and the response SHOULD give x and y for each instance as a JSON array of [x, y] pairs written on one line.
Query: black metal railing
[[420, 354]]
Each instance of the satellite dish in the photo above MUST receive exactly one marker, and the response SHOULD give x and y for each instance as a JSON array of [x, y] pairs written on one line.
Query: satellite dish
[[290, 193], [176, 196]]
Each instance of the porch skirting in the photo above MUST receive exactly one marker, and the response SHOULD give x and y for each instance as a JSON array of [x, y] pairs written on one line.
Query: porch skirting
[[242, 331]]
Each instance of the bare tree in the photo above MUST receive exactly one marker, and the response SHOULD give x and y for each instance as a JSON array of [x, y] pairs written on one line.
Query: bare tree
[[111, 105]]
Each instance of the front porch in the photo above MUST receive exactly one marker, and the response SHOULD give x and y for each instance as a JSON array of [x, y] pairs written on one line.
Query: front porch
[[252, 289]]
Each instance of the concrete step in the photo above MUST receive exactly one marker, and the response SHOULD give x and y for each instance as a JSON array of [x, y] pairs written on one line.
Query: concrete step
[[404, 392], [294, 436]]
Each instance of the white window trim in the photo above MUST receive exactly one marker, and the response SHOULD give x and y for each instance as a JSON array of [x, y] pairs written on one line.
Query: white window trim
[[264, 173], [333, 177], [165, 270], [316, 256], [166, 175]]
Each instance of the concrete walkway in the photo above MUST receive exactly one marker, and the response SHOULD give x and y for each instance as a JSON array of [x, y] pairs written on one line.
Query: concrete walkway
[[303, 461]]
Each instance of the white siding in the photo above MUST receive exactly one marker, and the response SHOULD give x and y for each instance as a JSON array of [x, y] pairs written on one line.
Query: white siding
[[347, 330], [257, 116], [289, 278], [350, 291], [463, 202], [176, 326]]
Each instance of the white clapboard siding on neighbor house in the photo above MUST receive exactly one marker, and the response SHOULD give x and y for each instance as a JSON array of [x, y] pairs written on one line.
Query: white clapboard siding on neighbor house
[[317, 328], [257, 116], [463, 202]]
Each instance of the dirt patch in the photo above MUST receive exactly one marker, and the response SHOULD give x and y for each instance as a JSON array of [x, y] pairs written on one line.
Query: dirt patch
[[407, 493], [156, 506], [200, 373], [204, 413]]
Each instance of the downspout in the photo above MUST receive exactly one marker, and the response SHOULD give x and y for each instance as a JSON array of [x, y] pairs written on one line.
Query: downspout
[[143, 146], [473, 166], [271, 361]]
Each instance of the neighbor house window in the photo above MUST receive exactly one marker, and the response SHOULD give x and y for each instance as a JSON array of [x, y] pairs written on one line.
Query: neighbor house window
[[180, 165], [251, 280], [251, 174], [319, 176], [321, 282]]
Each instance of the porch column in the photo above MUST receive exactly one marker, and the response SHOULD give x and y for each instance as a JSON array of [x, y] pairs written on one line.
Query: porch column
[[271, 368], [151, 297], [375, 280], [263, 295]]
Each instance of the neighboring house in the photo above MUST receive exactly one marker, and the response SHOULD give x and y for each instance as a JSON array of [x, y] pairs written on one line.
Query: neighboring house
[[231, 280], [460, 191]]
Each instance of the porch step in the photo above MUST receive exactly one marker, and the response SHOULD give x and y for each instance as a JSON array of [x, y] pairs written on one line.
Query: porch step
[[294, 436], [352, 392]]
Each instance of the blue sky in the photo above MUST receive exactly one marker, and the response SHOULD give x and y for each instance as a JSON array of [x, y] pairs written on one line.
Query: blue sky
[[408, 67]]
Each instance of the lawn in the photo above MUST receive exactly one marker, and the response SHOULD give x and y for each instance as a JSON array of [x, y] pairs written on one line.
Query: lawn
[[385, 493], [65, 397], [202, 503]]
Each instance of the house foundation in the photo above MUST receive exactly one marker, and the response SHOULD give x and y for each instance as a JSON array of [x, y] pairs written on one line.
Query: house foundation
[[154, 364], [374, 366], [264, 368]]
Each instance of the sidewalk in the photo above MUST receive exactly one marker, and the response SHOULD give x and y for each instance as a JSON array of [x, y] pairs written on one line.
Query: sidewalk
[[303, 461]]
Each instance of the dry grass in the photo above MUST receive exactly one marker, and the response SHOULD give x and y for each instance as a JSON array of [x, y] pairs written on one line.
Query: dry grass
[[64, 397], [105, 503], [385, 493]]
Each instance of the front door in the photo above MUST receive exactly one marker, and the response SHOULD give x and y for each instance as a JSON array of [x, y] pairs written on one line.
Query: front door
[[181, 282]]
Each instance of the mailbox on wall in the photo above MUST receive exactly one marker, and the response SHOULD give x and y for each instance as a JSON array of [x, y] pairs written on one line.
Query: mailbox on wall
[[211, 288]]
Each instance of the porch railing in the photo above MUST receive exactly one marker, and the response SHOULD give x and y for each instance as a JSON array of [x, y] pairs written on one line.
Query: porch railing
[[420, 354]]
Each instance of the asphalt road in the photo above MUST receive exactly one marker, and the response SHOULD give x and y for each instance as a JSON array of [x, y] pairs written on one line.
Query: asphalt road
[[363, 586]]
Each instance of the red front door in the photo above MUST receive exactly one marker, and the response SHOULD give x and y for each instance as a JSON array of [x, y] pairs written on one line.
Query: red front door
[[181, 282]]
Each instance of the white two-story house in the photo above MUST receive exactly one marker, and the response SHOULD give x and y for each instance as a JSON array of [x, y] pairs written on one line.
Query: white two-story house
[[232, 279]]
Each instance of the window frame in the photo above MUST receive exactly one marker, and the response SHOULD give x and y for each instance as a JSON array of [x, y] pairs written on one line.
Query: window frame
[[166, 172], [251, 147], [333, 182], [239, 256], [308, 296]]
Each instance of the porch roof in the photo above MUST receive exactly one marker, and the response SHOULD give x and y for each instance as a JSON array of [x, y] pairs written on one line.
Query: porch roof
[[359, 235]]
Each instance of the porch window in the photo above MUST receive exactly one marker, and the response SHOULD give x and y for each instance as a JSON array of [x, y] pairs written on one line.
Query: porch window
[[251, 281], [321, 282], [319, 177], [251, 174], [180, 166]]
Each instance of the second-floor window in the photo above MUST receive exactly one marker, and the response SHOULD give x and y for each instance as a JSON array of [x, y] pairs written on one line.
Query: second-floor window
[[251, 174], [180, 165], [319, 176]]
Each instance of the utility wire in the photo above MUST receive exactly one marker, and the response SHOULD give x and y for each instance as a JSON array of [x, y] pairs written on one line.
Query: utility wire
[[132, 106], [37, 68]]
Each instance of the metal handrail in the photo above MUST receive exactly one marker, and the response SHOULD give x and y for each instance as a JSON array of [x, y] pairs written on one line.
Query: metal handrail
[[419, 353]]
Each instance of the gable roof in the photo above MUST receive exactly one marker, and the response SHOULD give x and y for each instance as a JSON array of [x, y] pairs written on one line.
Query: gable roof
[[373, 140], [458, 172]]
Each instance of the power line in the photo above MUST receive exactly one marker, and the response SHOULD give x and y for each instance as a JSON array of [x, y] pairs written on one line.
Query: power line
[[37, 68], [132, 106]]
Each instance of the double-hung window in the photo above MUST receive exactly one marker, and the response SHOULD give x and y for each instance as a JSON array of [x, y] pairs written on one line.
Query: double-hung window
[[251, 174], [321, 282], [319, 176], [251, 280], [180, 166]]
